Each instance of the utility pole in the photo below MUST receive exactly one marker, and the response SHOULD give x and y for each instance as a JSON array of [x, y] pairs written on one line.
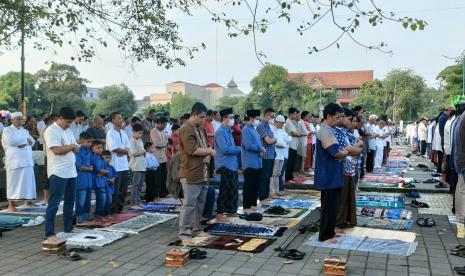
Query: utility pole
[[22, 106]]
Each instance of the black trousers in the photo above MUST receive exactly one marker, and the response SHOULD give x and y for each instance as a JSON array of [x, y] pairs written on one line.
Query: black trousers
[[160, 181], [291, 164], [250, 188], [362, 168], [439, 163], [330, 200], [265, 175], [370, 160], [121, 190], [423, 146], [228, 196], [150, 182]]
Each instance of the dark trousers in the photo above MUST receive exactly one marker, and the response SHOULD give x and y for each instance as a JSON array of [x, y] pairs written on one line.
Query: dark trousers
[[447, 168], [60, 188], [439, 161], [281, 176], [291, 164], [121, 189], [228, 196], [370, 160], [362, 168], [267, 171], [330, 200], [160, 181], [423, 146], [251, 187], [150, 182], [209, 203]]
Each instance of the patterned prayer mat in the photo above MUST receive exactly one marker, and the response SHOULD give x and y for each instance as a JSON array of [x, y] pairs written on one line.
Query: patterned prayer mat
[[386, 243], [379, 201], [393, 224], [297, 203], [245, 230], [140, 223], [90, 237], [266, 221], [384, 213], [244, 244], [378, 185], [159, 208], [32, 211], [10, 222]]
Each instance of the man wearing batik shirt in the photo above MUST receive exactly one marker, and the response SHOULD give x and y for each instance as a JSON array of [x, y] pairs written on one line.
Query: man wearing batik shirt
[[268, 142], [328, 171], [346, 216]]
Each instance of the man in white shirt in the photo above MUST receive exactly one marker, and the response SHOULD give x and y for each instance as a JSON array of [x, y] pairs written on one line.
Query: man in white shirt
[[61, 147], [429, 138], [423, 136], [370, 131], [77, 126], [117, 142], [281, 146], [381, 135], [169, 125], [216, 123], [40, 128], [19, 164]]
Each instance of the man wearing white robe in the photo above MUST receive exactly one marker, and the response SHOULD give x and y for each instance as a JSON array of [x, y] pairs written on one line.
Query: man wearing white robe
[[19, 164], [381, 132]]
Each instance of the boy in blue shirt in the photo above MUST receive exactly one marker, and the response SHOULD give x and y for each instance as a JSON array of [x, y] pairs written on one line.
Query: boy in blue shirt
[[84, 179], [110, 187], [151, 164], [100, 180]]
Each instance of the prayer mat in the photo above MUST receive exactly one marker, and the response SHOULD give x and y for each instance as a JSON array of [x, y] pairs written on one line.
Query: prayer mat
[[140, 223], [453, 220], [118, 218], [402, 162], [439, 204], [384, 213], [10, 222], [386, 170], [33, 211], [159, 208], [390, 179], [90, 237], [267, 221], [393, 224], [296, 203], [380, 201], [368, 244], [244, 244], [378, 185], [380, 234], [293, 213], [194, 242], [169, 200], [245, 230]]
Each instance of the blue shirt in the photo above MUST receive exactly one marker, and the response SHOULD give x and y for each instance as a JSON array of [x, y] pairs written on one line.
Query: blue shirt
[[151, 161], [226, 151], [111, 173], [83, 159], [442, 123], [250, 148], [99, 164], [328, 171], [265, 130]]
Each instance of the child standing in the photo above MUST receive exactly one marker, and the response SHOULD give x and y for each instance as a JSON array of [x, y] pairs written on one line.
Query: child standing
[[100, 179], [110, 185], [84, 179], [150, 174], [136, 163]]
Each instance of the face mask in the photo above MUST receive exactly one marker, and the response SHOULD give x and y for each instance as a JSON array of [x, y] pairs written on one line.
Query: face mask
[[230, 123], [256, 123], [271, 122]]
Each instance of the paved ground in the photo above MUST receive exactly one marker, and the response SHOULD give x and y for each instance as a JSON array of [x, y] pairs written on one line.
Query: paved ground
[[143, 254]]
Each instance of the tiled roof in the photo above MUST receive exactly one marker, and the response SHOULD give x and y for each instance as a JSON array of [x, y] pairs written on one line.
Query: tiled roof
[[342, 79], [212, 85]]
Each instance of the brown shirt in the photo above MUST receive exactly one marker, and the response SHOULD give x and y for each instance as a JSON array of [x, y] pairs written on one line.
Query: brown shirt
[[194, 168]]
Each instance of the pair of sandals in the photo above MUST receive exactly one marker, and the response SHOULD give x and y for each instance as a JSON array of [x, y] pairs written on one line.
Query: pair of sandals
[[290, 254], [72, 253], [312, 227], [431, 180], [197, 254], [458, 251], [426, 222], [418, 204], [408, 185]]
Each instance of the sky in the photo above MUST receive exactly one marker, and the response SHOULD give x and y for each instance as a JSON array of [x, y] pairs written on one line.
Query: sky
[[225, 58]]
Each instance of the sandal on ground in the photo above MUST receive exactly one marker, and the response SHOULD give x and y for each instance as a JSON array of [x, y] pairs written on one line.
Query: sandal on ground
[[71, 256], [460, 270], [413, 194], [458, 248], [291, 254], [427, 222], [197, 254], [408, 185], [83, 249], [431, 180], [418, 204], [458, 254]]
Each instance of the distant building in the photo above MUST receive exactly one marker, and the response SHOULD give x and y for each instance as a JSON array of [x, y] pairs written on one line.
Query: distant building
[[208, 94], [91, 94], [143, 103], [346, 83]]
